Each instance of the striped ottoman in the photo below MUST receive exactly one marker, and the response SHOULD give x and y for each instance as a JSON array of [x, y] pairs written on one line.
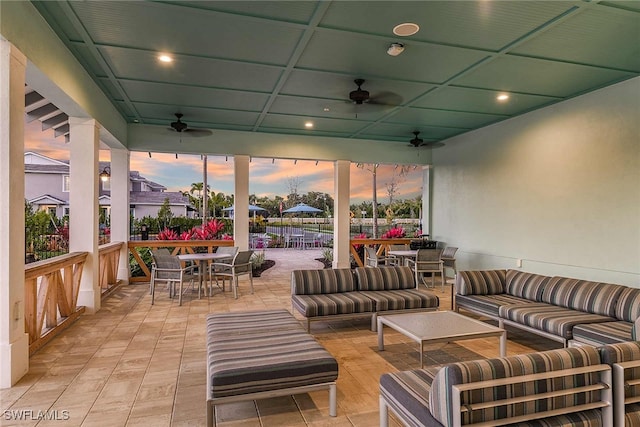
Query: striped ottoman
[[260, 354]]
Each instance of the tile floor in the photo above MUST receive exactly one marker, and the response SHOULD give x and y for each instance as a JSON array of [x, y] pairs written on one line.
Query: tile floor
[[133, 364]]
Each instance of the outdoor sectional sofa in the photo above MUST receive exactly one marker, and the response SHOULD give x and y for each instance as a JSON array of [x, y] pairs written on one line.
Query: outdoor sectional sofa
[[571, 311], [563, 387], [364, 292]]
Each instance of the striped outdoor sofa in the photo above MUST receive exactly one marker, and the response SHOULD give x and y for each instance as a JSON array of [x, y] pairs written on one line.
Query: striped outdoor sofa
[[571, 311], [332, 294], [261, 354], [625, 361], [564, 387]]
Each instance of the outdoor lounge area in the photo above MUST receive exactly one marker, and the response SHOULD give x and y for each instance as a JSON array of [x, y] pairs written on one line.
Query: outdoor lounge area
[[134, 363], [518, 119]]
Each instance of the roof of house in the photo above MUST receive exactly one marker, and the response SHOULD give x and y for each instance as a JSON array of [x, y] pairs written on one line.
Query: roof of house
[[62, 167], [157, 198]]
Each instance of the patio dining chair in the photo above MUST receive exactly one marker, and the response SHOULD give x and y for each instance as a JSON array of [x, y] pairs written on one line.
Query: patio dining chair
[[168, 269], [240, 265], [427, 261], [448, 258], [372, 259]]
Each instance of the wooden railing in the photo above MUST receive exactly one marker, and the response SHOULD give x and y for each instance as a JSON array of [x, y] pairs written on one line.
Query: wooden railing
[[109, 259], [178, 247], [51, 296], [382, 249]]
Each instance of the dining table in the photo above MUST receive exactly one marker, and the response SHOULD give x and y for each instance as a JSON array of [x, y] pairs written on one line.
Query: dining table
[[202, 259], [403, 254]]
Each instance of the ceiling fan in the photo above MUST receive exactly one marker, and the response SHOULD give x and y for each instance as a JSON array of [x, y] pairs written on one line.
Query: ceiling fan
[[182, 128], [362, 101], [419, 142], [384, 99]]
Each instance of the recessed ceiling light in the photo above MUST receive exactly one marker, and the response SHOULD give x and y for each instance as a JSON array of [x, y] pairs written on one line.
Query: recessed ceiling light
[[406, 29], [502, 97], [308, 125], [165, 58]]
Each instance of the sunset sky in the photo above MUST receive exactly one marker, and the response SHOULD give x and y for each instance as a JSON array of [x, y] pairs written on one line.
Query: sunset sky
[[267, 177]]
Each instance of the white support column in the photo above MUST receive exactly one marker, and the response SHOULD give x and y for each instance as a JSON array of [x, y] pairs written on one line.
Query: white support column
[[83, 206], [426, 200], [341, 220], [14, 342], [241, 202], [120, 217]]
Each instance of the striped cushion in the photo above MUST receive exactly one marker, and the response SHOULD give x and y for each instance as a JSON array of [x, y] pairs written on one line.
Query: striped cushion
[[598, 334], [628, 306], [632, 415], [635, 331], [486, 282], [592, 297], [618, 353], [487, 304], [525, 285], [326, 281], [244, 356], [480, 370], [550, 318], [407, 393], [592, 418], [250, 321], [327, 304], [625, 352], [389, 278], [402, 299]]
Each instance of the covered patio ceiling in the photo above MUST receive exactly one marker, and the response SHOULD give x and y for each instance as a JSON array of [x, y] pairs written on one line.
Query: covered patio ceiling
[[267, 68]]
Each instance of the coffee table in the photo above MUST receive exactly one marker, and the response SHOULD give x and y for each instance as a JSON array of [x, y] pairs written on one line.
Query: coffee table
[[439, 326]]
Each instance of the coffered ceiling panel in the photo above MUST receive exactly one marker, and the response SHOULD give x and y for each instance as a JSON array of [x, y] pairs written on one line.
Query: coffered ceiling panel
[[535, 76], [271, 66], [356, 55], [483, 24], [134, 64], [588, 39], [482, 100], [319, 124], [202, 33], [454, 119], [163, 93], [198, 117]]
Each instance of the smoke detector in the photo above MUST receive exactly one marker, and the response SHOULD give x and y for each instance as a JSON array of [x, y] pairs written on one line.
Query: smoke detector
[[395, 49]]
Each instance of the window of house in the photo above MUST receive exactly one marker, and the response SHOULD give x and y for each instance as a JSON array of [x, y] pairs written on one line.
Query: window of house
[[65, 183], [66, 211], [106, 185]]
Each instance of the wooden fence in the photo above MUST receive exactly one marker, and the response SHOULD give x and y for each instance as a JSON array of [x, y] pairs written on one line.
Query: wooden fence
[[176, 246], [51, 296]]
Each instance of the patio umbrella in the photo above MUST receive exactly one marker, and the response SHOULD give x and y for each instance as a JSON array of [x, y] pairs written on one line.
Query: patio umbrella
[[252, 208], [302, 208]]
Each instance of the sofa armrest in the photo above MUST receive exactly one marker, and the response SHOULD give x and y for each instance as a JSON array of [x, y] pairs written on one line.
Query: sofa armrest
[[534, 371], [462, 409], [481, 282]]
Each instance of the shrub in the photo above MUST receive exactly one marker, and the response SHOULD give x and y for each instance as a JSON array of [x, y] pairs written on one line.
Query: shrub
[[257, 259], [327, 254], [394, 233]]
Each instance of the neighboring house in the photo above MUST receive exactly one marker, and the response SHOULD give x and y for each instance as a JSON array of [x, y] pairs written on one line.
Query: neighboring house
[[47, 181]]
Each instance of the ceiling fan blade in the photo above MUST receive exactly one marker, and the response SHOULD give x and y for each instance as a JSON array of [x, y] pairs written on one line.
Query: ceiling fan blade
[[389, 99], [197, 132]]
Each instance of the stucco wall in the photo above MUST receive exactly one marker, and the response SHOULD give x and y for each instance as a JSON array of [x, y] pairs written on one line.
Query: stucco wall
[[558, 188]]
